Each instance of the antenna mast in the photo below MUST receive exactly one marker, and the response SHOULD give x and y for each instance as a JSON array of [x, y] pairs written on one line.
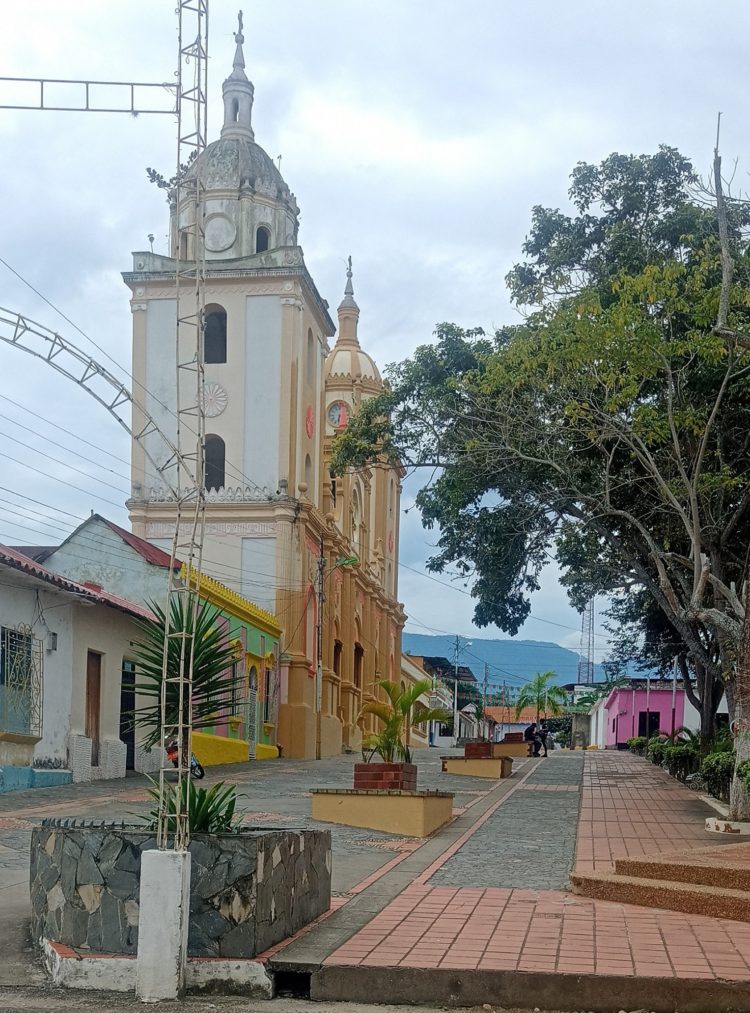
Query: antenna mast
[[586, 650]]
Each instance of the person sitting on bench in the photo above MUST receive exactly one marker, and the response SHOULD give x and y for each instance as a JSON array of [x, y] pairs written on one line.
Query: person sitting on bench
[[531, 735]]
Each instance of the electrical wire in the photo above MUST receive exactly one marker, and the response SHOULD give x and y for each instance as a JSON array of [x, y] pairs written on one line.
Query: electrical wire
[[237, 471]]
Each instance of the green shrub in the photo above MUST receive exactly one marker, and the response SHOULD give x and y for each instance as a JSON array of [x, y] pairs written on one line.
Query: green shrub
[[681, 759], [717, 770], [743, 772], [655, 751], [638, 744], [210, 810]]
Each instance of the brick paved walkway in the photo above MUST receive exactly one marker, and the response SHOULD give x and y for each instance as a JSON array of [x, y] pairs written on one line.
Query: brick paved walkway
[[631, 808], [481, 927], [527, 930]]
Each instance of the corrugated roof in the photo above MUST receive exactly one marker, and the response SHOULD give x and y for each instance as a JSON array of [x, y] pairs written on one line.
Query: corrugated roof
[[150, 552], [92, 593]]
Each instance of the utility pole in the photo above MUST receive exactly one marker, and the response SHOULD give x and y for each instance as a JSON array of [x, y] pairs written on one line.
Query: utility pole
[[456, 648], [319, 647], [484, 695]]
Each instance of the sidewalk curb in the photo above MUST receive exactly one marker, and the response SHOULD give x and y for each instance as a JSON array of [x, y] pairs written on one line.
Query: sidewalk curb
[[598, 992]]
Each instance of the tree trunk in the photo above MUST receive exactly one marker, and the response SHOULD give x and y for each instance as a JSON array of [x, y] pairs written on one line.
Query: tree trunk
[[739, 799]]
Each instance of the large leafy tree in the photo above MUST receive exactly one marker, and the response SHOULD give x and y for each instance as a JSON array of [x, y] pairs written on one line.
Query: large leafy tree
[[610, 428]]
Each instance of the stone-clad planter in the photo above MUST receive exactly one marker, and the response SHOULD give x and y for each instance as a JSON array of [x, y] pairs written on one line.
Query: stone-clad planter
[[247, 890]]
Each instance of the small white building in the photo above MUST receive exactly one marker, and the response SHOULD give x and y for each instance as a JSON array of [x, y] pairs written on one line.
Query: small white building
[[67, 673]]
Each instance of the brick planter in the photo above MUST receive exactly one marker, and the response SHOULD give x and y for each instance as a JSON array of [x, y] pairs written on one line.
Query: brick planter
[[385, 776], [492, 750], [478, 750]]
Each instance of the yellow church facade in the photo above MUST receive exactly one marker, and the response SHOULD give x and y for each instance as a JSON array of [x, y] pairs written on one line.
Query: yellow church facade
[[280, 530]]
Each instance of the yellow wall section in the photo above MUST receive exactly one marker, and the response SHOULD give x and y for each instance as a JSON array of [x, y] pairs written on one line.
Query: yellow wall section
[[265, 752], [213, 750]]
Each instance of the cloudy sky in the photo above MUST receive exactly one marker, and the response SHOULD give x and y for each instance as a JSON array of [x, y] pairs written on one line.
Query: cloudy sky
[[416, 134]]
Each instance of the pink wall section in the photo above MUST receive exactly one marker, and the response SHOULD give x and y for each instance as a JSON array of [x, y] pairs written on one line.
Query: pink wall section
[[624, 706]]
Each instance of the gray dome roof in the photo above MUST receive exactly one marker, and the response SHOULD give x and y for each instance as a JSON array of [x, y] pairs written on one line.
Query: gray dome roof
[[234, 162]]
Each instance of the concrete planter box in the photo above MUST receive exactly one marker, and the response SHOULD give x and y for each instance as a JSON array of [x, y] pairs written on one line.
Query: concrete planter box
[[247, 891], [385, 776], [513, 748], [411, 813], [495, 767]]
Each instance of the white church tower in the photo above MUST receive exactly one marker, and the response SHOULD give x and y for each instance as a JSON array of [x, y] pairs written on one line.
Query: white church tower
[[266, 340]]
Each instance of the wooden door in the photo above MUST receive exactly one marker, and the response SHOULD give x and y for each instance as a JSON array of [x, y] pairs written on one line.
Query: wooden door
[[93, 702]]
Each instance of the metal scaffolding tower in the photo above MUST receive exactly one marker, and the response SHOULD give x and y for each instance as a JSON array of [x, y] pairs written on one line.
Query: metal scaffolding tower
[[184, 471], [586, 649]]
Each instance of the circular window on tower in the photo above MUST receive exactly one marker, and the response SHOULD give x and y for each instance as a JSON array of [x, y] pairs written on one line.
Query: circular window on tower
[[220, 233]]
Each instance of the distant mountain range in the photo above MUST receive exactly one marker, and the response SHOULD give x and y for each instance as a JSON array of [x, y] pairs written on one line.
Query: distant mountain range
[[511, 661]]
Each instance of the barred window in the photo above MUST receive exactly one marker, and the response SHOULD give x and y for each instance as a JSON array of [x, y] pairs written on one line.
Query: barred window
[[20, 681]]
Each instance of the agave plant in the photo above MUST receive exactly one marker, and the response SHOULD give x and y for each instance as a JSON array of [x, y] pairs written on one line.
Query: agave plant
[[402, 709], [214, 674], [210, 810]]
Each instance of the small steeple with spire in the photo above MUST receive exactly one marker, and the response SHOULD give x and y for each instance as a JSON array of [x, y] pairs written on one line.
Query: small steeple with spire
[[238, 94], [348, 313]]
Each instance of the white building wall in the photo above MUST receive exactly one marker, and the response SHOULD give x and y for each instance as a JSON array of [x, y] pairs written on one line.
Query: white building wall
[[159, 381], [19, 604], [98, 555], [692, 719], [262, 390]]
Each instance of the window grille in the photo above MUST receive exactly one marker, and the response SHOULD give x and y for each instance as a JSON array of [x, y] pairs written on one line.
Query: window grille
[[21, 664]]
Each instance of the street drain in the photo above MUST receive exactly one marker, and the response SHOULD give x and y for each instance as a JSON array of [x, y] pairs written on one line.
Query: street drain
[[292, 984]]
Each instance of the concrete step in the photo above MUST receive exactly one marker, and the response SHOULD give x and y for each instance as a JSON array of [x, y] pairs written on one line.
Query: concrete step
[[726, 867], [690, 898]]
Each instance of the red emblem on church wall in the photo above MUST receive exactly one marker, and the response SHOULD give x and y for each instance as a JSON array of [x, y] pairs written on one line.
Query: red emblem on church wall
[[309, 421]]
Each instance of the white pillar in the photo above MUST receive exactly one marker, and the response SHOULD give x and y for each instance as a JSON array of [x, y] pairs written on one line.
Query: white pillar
[[163, 925]]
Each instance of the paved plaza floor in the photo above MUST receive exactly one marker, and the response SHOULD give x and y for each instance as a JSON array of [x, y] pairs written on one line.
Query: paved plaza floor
[[478, 912]]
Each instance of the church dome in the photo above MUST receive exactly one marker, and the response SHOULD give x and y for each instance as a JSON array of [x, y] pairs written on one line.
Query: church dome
[[351, 363], [236, 162], [347, 362]]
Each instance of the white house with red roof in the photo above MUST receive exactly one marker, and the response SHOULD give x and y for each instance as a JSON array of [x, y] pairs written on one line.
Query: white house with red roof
[[66, 661], [101, 552]]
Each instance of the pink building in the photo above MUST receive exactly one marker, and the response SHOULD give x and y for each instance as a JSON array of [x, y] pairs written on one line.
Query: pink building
[[628, 712]]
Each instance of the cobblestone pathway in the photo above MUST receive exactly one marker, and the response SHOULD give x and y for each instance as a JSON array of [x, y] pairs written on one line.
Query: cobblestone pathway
[[272, 794], [529, 841]]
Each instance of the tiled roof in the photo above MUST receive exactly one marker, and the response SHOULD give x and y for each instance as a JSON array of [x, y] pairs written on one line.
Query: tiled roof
[[507, 715], [92, 592]]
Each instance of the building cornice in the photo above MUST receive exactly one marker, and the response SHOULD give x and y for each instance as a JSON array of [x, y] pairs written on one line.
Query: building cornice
[[230, 601], [300, 272]]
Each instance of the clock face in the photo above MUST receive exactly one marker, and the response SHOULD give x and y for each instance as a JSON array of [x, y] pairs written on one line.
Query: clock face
[[338, 414]]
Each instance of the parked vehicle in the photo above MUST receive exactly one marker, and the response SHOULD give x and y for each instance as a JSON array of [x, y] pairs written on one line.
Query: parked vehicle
[[196, 770]]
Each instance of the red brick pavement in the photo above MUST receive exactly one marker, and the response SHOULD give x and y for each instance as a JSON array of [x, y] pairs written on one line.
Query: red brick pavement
[[631, 808], [527, 930], [627, 808]]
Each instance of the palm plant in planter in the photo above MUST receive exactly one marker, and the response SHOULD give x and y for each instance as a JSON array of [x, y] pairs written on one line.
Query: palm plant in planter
[[400, 712], [215, 675]]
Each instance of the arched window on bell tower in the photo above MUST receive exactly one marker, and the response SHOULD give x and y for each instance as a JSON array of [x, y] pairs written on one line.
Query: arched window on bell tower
[[215, 457], [262, 239], [215, 334]]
